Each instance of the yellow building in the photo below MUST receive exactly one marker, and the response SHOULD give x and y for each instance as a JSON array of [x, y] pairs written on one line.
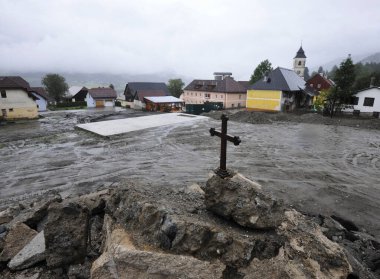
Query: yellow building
[[222, 89], [281, 90], [16, 99]]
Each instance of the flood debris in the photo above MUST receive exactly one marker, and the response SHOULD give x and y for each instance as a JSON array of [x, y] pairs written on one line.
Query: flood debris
[[190, 232]]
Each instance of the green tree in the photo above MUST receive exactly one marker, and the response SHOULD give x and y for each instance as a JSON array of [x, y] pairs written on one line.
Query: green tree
[[341, 93], [175, 87], [55, 85], [261, 69]]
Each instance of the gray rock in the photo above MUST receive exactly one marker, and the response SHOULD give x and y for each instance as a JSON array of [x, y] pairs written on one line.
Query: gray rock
[[242, 200], [123, 260], [17, 237], [6, 216], [31, 254], [66, 234]]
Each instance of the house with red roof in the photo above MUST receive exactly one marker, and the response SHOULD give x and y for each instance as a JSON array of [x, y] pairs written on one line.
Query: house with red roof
[[16, 99], [101, 97]]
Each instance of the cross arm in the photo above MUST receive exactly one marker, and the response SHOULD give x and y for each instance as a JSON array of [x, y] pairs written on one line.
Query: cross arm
[[234, 139]]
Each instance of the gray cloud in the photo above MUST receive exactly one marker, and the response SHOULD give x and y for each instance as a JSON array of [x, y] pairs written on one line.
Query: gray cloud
[[191, 38]]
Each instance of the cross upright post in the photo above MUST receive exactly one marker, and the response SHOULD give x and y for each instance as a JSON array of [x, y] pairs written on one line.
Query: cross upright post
[[222, 170]]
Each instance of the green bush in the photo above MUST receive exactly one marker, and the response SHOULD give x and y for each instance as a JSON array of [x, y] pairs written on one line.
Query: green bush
[[72, 104], [117, 104]]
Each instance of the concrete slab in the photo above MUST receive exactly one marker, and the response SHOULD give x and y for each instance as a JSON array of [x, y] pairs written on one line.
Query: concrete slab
[[122, 126]]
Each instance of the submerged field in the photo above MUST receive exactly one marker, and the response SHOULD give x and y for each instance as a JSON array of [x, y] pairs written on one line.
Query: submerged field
[[317, 168]]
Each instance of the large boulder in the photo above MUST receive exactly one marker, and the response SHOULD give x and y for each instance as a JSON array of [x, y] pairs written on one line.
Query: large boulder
[[66, 234], [306, 253], [31, 254], [122, 259], [18, 236], [242, 200]]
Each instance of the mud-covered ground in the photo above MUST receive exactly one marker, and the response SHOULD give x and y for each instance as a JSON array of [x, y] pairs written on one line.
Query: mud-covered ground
[[318, 168]]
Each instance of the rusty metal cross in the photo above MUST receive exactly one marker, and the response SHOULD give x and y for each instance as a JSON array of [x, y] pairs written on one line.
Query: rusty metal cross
[[222, 170]]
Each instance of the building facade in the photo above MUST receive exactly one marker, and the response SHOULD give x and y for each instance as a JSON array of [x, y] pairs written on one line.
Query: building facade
[[223, 88], [281, 90], [299, 62], [367, 101], [16, 100], [101, 97]]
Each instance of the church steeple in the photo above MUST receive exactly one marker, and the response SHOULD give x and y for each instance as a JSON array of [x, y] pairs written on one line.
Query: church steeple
[[299, 62]]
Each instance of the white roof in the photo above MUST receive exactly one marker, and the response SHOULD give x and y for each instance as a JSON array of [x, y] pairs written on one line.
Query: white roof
[[164, 99], [73, 90]]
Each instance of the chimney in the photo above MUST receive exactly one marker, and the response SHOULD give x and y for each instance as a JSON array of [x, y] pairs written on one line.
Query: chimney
[[372, 82]]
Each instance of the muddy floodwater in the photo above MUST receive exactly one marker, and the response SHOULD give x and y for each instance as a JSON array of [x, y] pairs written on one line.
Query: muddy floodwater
[[316, 168]]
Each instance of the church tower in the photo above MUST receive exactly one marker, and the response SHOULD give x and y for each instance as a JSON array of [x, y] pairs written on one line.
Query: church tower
[[299, 62]]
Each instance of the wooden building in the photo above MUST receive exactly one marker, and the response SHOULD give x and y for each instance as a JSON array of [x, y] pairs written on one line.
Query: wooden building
[[163, 104], [135, 92]]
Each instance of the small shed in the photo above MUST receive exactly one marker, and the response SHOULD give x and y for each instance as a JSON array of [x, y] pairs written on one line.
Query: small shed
[[163, 103], [101, 97], [367, 101]]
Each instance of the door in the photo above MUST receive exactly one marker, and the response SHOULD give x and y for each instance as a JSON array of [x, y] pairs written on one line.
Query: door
[[99, 103]]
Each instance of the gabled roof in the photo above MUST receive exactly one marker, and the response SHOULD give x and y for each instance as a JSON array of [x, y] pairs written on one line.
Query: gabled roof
[[102, 93], [148, 86], [300, 53], [280, 79], [40, 91], [73, 90], [140, 90], [164, 99], [14, 82], [369, 88], [227, 85]]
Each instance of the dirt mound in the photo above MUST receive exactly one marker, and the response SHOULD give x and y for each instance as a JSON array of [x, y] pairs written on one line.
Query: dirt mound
[[255, 117]]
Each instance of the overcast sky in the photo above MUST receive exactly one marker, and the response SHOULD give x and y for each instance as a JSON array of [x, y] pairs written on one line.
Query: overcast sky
[[192, 38]]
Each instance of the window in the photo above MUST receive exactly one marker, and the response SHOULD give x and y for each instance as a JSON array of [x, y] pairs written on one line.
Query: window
[[207, 95], [221, 96], [355, 101], [233, 105], [3, 93], [11, 109], [319, 85], [311, 85], [299, 63], [368, 102]]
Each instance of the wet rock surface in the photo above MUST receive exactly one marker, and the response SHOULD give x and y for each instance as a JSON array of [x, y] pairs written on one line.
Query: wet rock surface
[[66, 234], [139, 232], [17, 237], [241, 200]]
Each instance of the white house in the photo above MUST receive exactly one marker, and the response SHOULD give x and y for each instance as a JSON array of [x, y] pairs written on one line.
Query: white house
[[368, 101], [101, 97], [41, 97]]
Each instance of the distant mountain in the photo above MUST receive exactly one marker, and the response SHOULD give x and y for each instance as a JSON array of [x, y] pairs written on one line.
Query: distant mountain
[[364, 58], [99, 79], [374, 58]]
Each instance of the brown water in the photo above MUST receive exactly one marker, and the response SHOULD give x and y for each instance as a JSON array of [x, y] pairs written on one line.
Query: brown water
[[316, 168]]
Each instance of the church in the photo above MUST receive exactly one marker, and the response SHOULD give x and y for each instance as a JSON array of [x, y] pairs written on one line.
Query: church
[[282, 89]]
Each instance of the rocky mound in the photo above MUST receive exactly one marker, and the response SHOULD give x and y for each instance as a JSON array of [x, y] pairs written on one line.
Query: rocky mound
[[226, 229]]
